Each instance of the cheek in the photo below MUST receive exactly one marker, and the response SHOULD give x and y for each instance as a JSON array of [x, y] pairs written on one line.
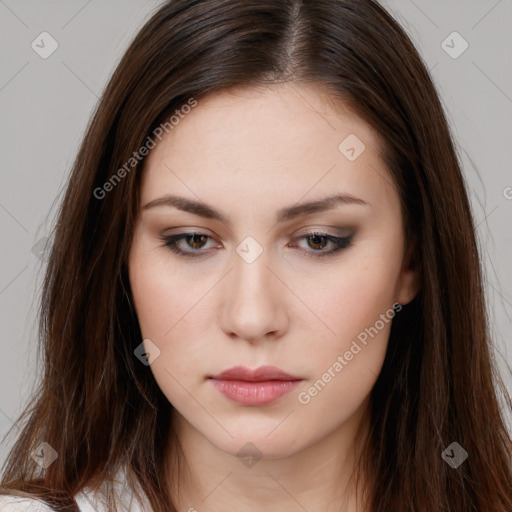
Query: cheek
[[347, 364], [161, 314], [152, 299], [348, 297], [161, 298], [353, 294], [169, 313], [356, 303]]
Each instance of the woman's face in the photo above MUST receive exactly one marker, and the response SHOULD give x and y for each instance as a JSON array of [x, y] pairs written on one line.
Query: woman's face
[[256, 286]]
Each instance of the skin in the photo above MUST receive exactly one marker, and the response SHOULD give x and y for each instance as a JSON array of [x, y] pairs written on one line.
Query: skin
[[248, 153]]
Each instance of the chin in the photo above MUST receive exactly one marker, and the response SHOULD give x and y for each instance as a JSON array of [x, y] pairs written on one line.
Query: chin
[[262, 443]]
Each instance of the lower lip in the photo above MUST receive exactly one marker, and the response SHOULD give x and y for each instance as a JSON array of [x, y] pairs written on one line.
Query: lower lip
[[254, 393]]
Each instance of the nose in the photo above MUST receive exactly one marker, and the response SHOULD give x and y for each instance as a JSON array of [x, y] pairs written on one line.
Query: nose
[[254, 301]]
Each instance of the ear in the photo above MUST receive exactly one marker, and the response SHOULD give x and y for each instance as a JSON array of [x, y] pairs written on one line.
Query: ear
[[409, 280]]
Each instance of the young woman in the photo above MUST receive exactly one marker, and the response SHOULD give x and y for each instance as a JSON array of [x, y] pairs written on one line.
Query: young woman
[[264, 290]]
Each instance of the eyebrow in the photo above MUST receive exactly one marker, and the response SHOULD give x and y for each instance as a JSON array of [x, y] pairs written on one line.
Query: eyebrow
[[204, 210]]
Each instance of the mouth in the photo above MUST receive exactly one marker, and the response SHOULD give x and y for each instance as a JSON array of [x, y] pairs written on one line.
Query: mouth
[[261, 386]]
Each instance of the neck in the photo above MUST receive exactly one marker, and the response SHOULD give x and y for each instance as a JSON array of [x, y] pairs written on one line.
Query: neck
[[319, 477]]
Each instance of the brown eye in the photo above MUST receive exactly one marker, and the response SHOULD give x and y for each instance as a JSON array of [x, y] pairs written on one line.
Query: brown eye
[[318, 241], [198, 239], [192, 246]]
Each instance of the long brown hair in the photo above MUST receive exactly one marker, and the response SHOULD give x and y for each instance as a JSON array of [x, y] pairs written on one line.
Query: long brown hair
[[101, 409]]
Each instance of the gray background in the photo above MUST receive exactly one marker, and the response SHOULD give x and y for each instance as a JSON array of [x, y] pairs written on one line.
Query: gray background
[[45, 105]]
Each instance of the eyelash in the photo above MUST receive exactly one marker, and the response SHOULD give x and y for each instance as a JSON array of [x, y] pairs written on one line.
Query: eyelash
[[340, 243]]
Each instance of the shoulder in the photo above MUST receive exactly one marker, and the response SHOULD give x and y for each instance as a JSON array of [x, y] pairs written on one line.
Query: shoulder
[[88, 500], [19, 504]]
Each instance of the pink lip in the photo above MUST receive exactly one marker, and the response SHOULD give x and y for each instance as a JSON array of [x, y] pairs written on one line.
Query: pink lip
[[254, 387], [260, 374]]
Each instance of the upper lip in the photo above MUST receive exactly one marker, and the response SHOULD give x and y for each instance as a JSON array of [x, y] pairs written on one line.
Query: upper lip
[[263, 373]]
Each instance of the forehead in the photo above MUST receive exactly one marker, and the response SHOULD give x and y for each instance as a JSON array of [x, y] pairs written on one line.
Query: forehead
[[262, 142]]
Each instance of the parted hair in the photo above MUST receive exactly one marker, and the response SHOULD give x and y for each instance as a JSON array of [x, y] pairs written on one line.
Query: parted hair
[[101, 410]]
